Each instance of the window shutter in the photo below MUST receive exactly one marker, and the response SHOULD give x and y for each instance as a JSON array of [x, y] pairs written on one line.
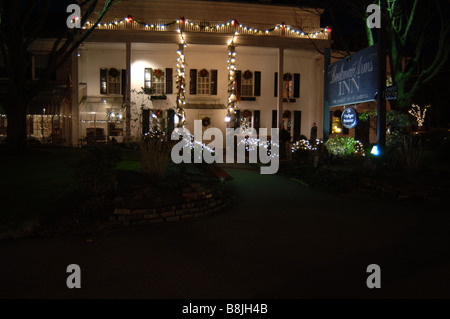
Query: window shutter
[[238, 119], [296, 85], [238, 85], [103, 76], [257, 90], [274, 119], [256, 115], [170, 121], [169, 81], [275, 89], [145, 121], [297, 124], [213, 82], [193, 82]]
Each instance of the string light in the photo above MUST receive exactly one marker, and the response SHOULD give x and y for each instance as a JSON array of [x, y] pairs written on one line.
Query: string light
[[181, 82], [417, 112], [220, 27], [231, 106]]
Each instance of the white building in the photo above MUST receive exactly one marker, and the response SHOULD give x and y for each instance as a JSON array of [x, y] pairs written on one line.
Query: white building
[[126, 54]]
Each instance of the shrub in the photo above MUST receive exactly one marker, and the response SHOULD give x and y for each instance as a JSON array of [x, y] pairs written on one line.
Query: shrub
[[155, 155], [95, 170], [405, 150], [341, 146], [444, 150]]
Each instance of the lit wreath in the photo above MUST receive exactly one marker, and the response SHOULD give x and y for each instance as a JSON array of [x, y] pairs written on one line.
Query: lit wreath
[[287, 77], [248, 75], [204, 73], [206, 121], [247, 113], [113, 72], [158, 113], [158, 73]]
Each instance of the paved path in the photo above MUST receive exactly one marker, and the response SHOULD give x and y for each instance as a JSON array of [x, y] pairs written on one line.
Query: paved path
[[279, 240]]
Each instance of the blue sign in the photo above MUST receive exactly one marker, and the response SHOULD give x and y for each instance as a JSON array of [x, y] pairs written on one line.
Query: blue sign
[[353, 80], [349, 118]]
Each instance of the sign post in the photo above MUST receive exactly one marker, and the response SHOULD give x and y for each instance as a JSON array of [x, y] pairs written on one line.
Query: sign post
[[381, 98]]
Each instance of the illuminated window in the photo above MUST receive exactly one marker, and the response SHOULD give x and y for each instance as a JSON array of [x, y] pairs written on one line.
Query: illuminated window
[[336, 125], [288, 85], [203, 82], [154, 81], [247, 84], [110, 81]]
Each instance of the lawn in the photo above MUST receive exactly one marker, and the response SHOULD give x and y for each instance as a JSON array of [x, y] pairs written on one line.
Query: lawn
[[39, 190]]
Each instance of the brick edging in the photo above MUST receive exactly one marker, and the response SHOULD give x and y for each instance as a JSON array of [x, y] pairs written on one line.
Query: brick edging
[[194, 209]]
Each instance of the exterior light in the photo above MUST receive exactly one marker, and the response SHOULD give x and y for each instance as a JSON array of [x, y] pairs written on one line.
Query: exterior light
[[375, 150]]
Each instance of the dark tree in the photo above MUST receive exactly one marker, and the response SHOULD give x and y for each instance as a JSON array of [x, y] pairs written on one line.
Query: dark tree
[[22, 23]]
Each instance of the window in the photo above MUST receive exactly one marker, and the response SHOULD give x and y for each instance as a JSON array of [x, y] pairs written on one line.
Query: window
[[110, 81], [287, 85], [247, 83], [157, 81], [291, 86], [203, 82]]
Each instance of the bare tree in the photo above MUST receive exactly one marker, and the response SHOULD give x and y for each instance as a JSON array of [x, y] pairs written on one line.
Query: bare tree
[[409, 31], [21, 25]]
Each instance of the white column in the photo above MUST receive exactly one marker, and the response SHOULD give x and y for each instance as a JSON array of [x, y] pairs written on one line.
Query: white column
[[280, 87]]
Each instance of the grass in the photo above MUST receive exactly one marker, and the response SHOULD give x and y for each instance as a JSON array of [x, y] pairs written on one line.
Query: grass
[[38, 188], [33, 185]]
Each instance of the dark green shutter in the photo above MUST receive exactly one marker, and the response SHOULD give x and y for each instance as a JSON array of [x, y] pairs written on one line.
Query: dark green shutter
[[274, 119], [297, 124], [213, 82], [257, 91], [275, 89], [256, 121], [169, 81], [170, 121], [193, 82], [145, 121], [238, 82], [237, 123], [296, 85]]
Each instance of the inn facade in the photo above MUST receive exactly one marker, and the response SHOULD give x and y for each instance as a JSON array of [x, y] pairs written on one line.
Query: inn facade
[[277, 81]]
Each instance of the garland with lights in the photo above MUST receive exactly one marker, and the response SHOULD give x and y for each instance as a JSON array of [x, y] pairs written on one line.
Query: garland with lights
[[205, 26], [231, 79], [181, 83]]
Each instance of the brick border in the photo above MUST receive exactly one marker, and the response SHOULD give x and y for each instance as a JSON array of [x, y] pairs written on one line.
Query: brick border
[[192, 209]]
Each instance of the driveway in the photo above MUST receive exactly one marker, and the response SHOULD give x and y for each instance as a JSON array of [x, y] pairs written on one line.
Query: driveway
[[280, 239]]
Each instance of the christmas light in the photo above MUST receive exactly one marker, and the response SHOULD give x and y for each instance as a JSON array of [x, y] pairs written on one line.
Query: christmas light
[[418, 113], [219, 27]]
